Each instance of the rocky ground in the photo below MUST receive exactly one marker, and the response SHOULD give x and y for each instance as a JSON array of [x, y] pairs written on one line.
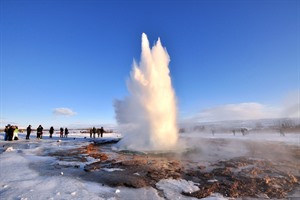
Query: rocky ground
[[264, 170]]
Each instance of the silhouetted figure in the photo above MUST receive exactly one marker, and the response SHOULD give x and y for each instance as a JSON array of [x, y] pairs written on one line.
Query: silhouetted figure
[[233, 131], [213, 132], [10, 133], [39, 132], [6, 132], [28, 130], [281, 130], [61, 133], [98, 131], [51, 131], [66, 132], [91, 133], [94, 132], [101, 131], [244, 131]]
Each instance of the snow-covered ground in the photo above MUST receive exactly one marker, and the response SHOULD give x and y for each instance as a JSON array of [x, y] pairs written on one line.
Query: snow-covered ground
[[289, 138], [21, 178]]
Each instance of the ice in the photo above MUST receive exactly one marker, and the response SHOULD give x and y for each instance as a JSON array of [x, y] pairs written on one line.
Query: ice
[[112, 169], [9, 149], [173, 188]]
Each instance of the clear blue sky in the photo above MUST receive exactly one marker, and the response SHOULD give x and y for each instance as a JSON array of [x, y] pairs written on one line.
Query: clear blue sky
[[78, 54]]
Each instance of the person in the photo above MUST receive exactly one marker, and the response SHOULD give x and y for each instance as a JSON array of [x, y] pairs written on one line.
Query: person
[[101, 131], [94, 131], [281, 130], [28, 132], [233, 131], [51, 130], [6, 132], [16, 133], [61, 132], [39, 132], [10, 133], [244, 131], [66, 132], [98, 131], [91, 133]]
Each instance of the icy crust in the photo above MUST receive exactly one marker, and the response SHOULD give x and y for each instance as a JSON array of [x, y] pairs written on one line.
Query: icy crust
[[76, 164], [172, 189]]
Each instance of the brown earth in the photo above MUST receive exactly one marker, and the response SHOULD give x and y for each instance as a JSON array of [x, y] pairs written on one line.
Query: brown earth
[[255, 174]]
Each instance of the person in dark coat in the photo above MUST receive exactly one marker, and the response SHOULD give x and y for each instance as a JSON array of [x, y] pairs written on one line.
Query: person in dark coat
[[94, 132], [91, 133], [66, 132], [6, 132], [10, 133], [61, 134], [39, 132], [28, 132], [51, 131], [101, 131]]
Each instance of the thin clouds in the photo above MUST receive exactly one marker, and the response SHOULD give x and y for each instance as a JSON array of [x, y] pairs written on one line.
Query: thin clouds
[[4, 122], [241, 111], [63, 112]]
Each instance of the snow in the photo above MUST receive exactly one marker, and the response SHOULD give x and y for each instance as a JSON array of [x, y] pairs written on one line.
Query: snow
[[289, 138], [173, 188], [112, 169], [23, 174], [19, 180]]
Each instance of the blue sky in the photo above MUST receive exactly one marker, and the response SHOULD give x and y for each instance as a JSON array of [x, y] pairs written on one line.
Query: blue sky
[[63, 63]]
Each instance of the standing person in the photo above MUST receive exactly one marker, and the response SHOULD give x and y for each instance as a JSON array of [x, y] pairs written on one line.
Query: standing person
[[39, 132], [16, 133], [66, 132], [91, 133], [10, 133], [94, 131], [213, 132], [281, 130], [28, 132], [6, 132], [61, 132], [101, 131], [98, 132], [51, 130]]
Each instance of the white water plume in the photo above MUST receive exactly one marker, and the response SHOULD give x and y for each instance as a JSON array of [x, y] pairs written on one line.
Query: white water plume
[[147, 117]]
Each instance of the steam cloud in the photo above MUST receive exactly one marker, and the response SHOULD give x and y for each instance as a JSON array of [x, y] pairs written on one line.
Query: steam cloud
[[147, 116]]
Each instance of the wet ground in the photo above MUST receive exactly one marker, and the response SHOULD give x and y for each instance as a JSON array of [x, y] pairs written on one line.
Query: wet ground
[[235, 169]]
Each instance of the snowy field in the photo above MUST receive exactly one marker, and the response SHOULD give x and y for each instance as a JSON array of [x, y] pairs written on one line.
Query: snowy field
[[21, 177]]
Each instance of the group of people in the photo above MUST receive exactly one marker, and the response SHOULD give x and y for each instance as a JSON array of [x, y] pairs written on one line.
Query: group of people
[[11, 133], [61, 133], [99, 132], [39, 132]]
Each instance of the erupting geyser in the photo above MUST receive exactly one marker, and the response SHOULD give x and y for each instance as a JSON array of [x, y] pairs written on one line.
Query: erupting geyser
[[147, 117]]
